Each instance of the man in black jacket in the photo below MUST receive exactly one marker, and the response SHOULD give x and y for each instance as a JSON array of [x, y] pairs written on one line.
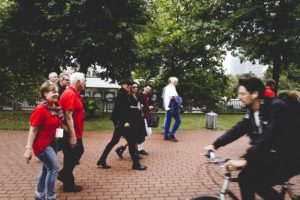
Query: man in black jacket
[[120, 118], [263, 123]]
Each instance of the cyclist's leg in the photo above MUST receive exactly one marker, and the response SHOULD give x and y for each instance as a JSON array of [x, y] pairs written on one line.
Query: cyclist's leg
[[268, 193], [246, 184], [254, 179], [247, 190]]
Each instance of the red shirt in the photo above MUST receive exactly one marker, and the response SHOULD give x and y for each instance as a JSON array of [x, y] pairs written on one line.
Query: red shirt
[[269, 92], [47, 124], [146, 100], [70, 100]]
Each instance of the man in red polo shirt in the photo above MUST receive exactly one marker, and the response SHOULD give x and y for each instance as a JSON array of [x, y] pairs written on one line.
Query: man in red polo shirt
[[73, 149]]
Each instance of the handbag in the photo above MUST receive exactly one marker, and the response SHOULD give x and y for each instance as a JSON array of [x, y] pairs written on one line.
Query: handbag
[[153, 120]]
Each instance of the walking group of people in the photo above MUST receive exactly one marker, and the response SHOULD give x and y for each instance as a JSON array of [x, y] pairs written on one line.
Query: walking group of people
[[57, 123], [129, 116]]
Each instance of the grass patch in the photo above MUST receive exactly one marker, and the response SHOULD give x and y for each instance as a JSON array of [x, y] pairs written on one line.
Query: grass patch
[[17, 120]]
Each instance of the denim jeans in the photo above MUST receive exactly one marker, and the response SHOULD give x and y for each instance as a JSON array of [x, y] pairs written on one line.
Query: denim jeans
[[168, 123], [48, 175]]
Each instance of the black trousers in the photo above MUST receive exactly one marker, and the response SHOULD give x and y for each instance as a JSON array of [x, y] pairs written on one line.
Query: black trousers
[[260, 178], [118, 133], [71, 158]]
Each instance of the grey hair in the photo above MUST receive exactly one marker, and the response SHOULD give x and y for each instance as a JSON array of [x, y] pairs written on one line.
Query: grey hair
[[172, 78], [62, 75], [51, 74], [77, 76]]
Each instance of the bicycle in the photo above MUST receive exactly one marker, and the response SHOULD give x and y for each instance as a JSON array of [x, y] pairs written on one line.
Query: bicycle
[[286, 186]]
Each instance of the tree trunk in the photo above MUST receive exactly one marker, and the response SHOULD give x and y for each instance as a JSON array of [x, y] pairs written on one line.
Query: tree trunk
[[276, 69]]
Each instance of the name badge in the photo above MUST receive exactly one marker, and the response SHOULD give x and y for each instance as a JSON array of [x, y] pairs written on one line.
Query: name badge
[[59, 133]]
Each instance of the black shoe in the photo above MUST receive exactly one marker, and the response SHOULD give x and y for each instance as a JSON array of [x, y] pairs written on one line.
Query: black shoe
[[103, 164], [139, 167], [143, 152], [75, 188], [173, 139], [120, 151], [167, 138]]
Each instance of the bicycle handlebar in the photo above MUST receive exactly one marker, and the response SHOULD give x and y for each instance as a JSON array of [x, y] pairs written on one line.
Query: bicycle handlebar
[[220, 161], [214, 159]]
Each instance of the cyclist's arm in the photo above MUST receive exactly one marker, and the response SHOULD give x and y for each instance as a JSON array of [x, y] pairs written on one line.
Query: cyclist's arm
[[240, 129]]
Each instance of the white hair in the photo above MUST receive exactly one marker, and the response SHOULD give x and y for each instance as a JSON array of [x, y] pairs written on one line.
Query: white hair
[[51, 74], [172, 79], [77, 76]]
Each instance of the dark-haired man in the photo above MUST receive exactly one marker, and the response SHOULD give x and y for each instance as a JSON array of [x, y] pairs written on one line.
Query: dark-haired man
[[263, 123]]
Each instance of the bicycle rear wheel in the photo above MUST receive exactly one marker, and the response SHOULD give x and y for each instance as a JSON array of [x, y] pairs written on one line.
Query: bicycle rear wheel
[[206, 198]]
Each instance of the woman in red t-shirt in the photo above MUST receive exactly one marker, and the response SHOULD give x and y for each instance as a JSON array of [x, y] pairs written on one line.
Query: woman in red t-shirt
[[45, 126]]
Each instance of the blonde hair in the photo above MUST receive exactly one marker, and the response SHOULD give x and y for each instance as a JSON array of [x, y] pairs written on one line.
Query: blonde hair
[[294, 94], [46, 87]]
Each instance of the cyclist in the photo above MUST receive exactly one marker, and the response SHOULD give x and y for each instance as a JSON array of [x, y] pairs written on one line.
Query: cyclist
[[263, 123]]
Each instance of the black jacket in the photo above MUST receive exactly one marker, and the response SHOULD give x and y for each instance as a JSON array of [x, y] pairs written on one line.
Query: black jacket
[[264, 139], [143, 102], [121, 110]]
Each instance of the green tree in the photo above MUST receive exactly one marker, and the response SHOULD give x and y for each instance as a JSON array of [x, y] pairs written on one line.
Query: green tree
[[173, 43], [266, 30], [289, 78], [41, 36]]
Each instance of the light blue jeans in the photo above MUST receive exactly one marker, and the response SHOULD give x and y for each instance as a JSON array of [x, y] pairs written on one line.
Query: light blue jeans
[[48, 175]]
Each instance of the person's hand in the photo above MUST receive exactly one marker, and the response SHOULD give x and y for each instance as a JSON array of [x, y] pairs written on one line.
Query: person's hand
[[151, 107], [126, 125], [28, 154], [73, 142], [210, 148], [233, 165]]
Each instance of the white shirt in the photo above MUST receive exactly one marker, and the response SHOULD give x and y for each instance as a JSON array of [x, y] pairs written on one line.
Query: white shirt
[[169, 91], [256, 118]]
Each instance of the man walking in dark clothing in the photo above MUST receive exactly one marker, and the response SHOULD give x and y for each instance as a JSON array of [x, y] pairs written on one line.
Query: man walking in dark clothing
[[264, 124], [63, 83], [120, 118]]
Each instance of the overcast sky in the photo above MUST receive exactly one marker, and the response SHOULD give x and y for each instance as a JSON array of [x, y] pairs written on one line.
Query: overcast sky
[[232, 65]]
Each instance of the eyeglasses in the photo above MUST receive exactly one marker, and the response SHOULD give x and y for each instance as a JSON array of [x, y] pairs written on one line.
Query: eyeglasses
[[134, 87], [66, 79]]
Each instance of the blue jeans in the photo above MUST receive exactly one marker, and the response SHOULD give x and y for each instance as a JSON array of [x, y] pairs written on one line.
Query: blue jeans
[[168, 123], [48, 175]]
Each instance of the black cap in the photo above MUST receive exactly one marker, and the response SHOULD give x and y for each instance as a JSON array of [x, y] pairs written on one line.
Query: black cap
[[125, 81]]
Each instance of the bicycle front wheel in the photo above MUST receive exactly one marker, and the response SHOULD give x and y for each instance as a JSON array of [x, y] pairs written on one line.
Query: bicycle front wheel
[[206, 198]]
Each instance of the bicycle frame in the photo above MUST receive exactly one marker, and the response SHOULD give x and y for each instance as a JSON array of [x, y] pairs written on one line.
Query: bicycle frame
[[228, 179]]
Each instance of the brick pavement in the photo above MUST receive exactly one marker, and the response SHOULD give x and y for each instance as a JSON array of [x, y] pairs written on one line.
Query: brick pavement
[[175, 170]]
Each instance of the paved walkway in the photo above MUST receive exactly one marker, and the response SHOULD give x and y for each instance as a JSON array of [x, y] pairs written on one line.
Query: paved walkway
[[175, 170]]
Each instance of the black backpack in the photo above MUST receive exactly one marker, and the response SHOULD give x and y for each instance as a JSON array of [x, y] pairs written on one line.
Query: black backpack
[[291, 140]]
